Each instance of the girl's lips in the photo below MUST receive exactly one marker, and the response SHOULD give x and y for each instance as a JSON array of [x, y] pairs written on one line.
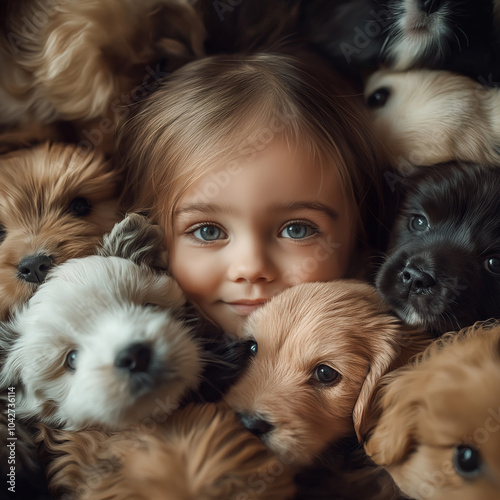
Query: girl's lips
[[245, 307]]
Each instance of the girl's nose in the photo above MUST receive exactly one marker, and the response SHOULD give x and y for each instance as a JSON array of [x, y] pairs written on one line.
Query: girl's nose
[[252, 261]]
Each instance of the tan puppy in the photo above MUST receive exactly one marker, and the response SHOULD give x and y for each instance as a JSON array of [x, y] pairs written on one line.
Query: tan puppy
[[56, 202], [199, 453], [426, 117], [439, 432], [320, 348]]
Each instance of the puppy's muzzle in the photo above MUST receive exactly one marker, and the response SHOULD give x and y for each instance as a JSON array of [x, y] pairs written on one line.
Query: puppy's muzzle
[[256, 425], [34, 268]]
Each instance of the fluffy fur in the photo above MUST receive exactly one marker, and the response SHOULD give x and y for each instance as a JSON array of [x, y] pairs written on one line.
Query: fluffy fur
[[442, 271], [437, 411], [319, 348], [56, 202], [200, 453], [100, 343], [84, 61], [427, 117]]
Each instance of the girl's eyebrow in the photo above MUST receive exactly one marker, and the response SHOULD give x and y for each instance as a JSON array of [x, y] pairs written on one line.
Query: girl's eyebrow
[[306, 205], [214, 208], [203, 208]]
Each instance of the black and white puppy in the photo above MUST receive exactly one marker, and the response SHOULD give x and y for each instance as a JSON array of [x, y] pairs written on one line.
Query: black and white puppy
[[442, 271], [442, 34]]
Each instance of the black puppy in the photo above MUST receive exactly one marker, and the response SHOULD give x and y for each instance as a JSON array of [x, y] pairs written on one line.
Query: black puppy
[[443, 264]]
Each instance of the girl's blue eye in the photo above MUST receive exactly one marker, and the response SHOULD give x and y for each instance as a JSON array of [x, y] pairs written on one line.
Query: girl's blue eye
[[209, 233], [298, 231]]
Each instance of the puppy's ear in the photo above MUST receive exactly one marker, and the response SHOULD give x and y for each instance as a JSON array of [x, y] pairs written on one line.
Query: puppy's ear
[[394, 435], [388, 354], [136, 239], [9, 375]]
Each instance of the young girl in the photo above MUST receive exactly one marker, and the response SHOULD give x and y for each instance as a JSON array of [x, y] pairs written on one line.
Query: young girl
[[259, 168]]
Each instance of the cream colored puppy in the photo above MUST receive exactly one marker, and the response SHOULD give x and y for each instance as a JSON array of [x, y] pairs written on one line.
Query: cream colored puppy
[[426, 117]]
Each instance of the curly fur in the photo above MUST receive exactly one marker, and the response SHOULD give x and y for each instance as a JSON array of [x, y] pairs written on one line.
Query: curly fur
[[37, 187]]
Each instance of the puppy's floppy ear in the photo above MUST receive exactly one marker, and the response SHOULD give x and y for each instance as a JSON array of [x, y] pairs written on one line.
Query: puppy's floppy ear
[[388, 353], [394, 436], [138, 240], [8, 337]]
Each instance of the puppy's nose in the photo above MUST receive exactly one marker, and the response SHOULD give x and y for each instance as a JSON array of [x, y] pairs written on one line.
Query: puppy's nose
[[255, 425], [34, 268], [429, 6], [416, 279], [135, 358]]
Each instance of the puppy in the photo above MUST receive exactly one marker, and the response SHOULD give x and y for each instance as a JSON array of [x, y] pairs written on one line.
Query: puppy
[[111, 350], [438, 434], [56, 202], [199, 453], [442, 271], [441, 34], [65, 60], [319, 349], [426, 117]]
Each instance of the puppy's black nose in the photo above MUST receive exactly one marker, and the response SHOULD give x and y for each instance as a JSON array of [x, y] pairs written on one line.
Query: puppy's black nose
[[416, 279], [255, 425], [135, 358], [429, 6], [34, 268]]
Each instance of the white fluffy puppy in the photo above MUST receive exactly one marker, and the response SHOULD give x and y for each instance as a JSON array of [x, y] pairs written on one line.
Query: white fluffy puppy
[[100, 342], [426, 117]]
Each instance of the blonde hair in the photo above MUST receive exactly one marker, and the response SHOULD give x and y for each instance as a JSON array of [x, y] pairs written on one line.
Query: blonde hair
[[220, 108]]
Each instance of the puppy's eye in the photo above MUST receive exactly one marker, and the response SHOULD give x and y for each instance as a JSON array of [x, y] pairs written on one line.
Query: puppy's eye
[[70, 362], [418, 224], [254, 347], [378, 98], [326, 374], [80, 206], [493, 265], [152, 304], [3, 233], [467, 460]]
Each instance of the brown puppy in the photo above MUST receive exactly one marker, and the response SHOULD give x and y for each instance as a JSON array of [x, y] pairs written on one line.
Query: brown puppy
[[56, 202], [439, 431], [199, 453], [426, 117], [89, 61], [320, 349]]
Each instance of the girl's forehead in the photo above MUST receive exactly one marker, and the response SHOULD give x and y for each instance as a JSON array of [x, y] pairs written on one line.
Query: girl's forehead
[[277, 172]]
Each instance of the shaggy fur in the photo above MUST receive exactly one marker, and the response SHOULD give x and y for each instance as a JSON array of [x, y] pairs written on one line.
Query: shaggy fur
[[426, 117], [111, 350], [56, 201], [85, 61], [340, 330], [430, 410], [442, 271], [199, 453]]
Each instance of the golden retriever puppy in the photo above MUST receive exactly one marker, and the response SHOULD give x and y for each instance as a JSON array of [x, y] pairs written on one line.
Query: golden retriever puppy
[[90, 60], [319, 350], [198, 453], [439, 430], [426, 117], [56, 203]]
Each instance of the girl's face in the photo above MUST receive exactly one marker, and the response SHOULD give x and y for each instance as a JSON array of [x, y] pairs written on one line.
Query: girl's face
[[246, 231]]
